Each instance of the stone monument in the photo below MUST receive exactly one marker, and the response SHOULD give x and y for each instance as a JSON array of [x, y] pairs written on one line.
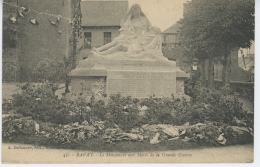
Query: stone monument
[[132, 65]]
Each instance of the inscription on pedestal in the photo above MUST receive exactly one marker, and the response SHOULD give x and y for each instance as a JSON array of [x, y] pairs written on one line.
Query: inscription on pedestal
[[141, 84]]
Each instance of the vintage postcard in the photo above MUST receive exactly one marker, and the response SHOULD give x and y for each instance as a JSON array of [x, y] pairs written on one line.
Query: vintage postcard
[[128, 81]]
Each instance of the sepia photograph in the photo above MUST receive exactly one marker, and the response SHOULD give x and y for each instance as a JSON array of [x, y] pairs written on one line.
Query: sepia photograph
[[128, 81]]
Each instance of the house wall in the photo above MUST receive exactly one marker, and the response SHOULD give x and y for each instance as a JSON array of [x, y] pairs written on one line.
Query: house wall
[[97, 39], [10, 65], [98, 34], [10, 59], [172, 38], [36, 42], [44, 40], [169, 44]]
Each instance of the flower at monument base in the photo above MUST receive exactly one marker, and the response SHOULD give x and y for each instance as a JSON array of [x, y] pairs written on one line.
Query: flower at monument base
[[38, 99], [221, 139], [37, 127], [71, 113], [126, 113], [155, 139], [99, 124], [89, 135], [20, 126], [27, 124], [85, 122], [75, 124], [88, 109], [141, 113], [47, 135], [81, 135], [143, 108], [200, 136]]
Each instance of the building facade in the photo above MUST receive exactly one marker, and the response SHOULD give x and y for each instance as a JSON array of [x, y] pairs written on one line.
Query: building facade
[[170, 41], [41, 33], [10, 58]]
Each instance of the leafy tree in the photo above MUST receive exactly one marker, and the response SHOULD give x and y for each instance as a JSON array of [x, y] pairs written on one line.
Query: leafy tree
[[213, 29]]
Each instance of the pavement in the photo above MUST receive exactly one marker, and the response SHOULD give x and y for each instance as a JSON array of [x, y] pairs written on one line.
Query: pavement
[[21, 153], [8, 89]]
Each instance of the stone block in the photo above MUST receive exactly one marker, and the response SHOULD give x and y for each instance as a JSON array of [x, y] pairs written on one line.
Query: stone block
[[136, 78]]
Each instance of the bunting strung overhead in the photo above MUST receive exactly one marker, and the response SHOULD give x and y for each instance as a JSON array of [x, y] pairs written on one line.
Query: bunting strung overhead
[[22, 11]]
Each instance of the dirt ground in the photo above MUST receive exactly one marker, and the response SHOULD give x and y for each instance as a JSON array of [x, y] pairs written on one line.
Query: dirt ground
[[8, 89]]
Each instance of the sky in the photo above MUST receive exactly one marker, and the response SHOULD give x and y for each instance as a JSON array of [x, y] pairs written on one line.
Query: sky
[[161, 13]]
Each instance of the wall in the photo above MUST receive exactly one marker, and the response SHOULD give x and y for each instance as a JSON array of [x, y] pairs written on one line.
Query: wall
[[97, 39], [169, 45], [10, 65], [43, 40], [98, 34], [172, 38], [10, 59], [36, 42]]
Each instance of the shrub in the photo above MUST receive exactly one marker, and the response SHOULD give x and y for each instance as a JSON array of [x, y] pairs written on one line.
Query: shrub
[[238, 135], [14, 125], [49, 69], [218, 106], [214, 107], [7, 105], [122, 111], [160, 110], [98, 111], [40, 103], [204, 133]]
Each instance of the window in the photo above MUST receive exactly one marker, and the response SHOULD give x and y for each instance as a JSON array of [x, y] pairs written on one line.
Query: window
[[107, 37], [87, 40]]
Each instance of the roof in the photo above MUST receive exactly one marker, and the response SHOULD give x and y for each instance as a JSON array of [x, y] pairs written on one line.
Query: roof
[[173, 29], [103, 13]]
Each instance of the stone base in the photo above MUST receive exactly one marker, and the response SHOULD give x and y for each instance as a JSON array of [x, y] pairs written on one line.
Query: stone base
[[136, 78]]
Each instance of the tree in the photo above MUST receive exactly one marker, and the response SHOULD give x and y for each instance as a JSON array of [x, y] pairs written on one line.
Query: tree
[[215, 28], [75, 30], [70, 62]]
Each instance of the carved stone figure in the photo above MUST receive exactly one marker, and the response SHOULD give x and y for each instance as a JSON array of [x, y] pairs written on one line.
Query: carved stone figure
[[137, 36]]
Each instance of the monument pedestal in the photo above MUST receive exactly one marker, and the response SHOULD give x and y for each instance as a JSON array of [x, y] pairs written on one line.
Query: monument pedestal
[[138, 78]]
